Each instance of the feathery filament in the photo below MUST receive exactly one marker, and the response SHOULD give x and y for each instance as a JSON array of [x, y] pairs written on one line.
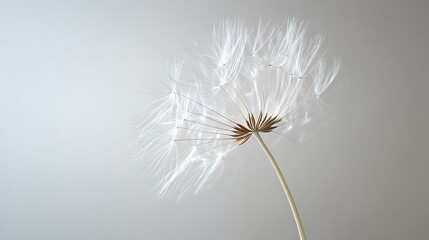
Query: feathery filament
[[243, 81]]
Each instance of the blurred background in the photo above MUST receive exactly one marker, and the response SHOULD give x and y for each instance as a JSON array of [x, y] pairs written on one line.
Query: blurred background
[[75, 74]]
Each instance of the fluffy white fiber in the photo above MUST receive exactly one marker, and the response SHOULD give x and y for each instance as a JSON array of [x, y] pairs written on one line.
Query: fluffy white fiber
[[270, 71]]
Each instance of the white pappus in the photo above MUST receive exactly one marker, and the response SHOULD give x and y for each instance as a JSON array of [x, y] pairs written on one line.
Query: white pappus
[[243, 81]]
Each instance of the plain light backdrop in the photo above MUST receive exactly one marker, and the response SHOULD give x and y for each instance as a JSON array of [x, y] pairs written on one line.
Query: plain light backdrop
[[74, 75]]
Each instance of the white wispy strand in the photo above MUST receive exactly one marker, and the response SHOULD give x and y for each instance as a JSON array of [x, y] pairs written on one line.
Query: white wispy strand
[[270, 71]]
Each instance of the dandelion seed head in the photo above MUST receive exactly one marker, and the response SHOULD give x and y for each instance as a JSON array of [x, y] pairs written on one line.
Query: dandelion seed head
[[242, 81]]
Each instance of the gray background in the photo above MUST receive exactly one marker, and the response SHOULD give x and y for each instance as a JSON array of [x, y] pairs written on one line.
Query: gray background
[[74, 74]]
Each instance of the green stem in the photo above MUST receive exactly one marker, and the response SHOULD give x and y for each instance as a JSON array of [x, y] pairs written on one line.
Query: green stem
[[285, 187]]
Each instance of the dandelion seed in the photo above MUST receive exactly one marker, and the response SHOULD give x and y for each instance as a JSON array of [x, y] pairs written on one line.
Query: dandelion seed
[[242, 83]]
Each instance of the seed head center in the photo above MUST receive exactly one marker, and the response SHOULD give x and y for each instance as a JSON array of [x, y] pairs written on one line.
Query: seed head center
[[264, 123]]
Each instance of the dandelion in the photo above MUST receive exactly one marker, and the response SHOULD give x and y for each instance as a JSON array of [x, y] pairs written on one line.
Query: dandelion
[[240, 84]]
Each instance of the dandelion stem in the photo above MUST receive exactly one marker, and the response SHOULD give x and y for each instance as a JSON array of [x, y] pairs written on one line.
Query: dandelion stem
[[284, 185]]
